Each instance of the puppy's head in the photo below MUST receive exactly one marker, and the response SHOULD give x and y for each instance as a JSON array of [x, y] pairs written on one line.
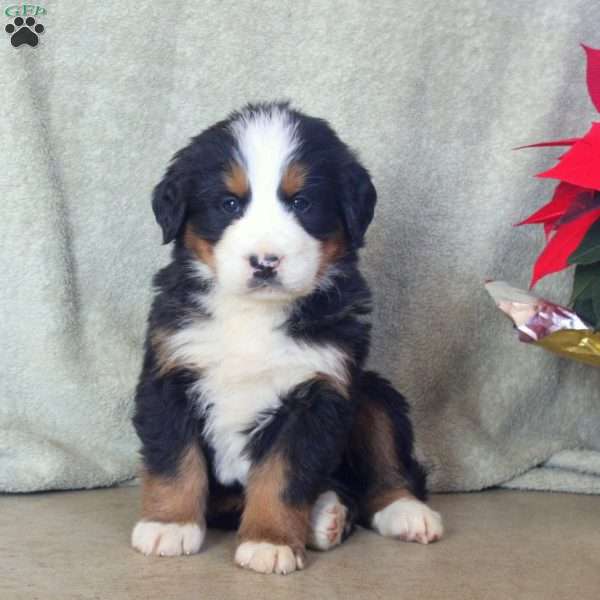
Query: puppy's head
[[267, 201]]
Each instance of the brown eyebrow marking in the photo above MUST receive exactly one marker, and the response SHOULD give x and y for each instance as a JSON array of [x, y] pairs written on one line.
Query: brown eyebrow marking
[[236, 180], [293, 179]]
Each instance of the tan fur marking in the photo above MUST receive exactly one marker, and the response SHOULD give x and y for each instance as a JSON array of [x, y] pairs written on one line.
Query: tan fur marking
[[159, 339], [377, 437], [199, 246], [266, 516], [293, 179], [181, 498], [331, 251], [373, 437], [236, 180]]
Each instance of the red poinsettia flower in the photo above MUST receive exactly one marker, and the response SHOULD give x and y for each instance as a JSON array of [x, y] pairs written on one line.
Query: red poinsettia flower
[[575, 206]]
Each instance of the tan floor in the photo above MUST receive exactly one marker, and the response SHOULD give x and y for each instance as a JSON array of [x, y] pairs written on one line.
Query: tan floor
[[505, 545]]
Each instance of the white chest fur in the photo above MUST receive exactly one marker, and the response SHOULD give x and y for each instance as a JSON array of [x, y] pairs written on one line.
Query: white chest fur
[[248, 364]]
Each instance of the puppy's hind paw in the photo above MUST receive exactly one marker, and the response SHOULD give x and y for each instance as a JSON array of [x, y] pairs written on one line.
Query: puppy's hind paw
[[409, 520], [327, 522]]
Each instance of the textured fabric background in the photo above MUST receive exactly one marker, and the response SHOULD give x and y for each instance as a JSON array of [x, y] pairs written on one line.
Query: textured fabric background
[[433, 95]]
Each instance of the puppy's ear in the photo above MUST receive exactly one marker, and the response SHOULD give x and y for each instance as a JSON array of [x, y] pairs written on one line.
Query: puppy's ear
[[169, 206], [357, 202]]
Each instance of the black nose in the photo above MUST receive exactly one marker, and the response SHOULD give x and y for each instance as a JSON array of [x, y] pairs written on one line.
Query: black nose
[[264, 266], [265, 273], [266, 261]]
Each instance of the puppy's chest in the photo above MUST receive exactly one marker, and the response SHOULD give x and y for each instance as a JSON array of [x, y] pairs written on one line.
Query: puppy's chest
[[248, 363]]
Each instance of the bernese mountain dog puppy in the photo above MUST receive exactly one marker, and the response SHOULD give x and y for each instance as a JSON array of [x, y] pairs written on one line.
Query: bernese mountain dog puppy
[[253, 406]]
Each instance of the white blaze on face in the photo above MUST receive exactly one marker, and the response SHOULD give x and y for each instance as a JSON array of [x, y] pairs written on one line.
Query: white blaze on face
[[267, 142]]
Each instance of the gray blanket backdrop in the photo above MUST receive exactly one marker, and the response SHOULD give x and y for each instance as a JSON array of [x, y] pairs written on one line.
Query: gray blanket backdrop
[[432, 94]]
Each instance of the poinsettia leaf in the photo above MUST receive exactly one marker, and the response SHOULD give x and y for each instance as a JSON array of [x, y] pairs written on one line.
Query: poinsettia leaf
[[587, 303], [587, 306], [554, 257], [549, 227], [585, 276], [588, 250], [565, 142], [593, 74], [564, 195], [585, 309], [596, 306], [581, 164], [585, 201]]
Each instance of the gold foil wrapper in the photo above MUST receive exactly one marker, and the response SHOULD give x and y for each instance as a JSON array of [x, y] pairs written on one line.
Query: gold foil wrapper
[[547, 324], [581, 345]]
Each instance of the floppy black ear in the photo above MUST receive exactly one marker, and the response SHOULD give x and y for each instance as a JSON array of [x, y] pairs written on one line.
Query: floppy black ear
[[357, 203], [169, 207]]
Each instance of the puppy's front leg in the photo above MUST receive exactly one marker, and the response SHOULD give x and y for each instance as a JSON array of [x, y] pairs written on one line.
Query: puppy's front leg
[[293, 457], [174, 480], [173, 507], [273, 530]]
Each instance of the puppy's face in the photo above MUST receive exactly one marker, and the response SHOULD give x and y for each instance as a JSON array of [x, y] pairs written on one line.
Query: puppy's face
[[267, 201]]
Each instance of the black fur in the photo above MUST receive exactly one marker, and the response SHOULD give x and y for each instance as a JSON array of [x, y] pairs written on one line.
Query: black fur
[[164, 418], [310, 431], [334, 315]]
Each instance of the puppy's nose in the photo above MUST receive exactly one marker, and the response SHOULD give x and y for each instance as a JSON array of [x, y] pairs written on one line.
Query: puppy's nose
[[264, 262]]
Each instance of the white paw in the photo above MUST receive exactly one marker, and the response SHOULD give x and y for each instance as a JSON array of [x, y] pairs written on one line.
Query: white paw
[[409, 520], [268, 558], [167, 539], [327, 522]]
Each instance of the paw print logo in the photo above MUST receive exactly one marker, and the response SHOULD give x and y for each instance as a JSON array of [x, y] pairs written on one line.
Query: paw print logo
[[24, 32]]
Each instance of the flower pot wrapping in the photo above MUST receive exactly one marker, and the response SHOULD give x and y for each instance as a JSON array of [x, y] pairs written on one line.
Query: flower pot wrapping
[[547, 324]]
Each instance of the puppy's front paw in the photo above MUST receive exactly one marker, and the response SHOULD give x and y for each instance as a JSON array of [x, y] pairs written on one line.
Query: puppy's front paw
[[167, 539], [327, 522], [264, 557], [409, 520]]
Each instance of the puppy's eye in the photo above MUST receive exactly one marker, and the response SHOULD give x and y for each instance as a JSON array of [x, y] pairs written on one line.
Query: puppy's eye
[[300, 203], [231, 205]]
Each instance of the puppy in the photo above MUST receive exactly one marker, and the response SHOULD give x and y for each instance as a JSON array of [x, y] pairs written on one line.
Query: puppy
[[253, 406]]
